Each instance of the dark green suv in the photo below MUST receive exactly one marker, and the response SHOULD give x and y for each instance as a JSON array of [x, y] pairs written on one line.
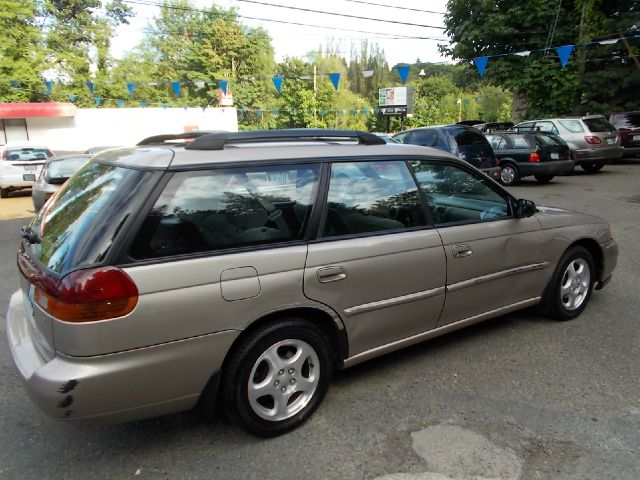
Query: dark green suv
[[521, 154]]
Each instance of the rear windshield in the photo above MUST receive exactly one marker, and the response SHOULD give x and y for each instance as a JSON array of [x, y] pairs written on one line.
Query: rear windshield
[[27, 154], [64, 168], [598, 125], [550, 140], [80, 224], [626, 120]]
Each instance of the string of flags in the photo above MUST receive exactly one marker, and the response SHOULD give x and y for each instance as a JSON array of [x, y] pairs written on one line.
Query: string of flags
[[563, 51]]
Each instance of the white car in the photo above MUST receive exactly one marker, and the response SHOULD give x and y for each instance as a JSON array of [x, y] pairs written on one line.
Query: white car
[[20, 165]]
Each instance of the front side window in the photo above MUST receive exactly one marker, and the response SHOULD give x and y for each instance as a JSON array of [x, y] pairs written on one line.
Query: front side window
[[366, 197], [546, 127], [224, 208], [455, 195]]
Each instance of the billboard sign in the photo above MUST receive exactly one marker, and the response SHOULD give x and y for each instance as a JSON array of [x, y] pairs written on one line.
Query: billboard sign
[[395, 100]]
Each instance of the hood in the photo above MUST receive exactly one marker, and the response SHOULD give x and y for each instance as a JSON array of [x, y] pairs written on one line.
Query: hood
[[552, 217]]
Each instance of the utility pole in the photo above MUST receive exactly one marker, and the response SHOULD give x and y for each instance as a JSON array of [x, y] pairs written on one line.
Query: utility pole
[[315, 96]]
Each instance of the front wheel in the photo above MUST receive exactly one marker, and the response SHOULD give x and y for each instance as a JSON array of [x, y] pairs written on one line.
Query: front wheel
[[570, 288], [592, 167], [544, 178], [277, 377]]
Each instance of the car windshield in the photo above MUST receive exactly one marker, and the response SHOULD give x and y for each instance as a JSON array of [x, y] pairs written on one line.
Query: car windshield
[[64, 167], [598, 125], [21, 154], [626, 120], [72, 227]]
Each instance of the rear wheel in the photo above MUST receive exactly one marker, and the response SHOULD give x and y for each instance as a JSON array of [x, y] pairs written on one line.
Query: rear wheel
[[571, 285], [509, 175], [277, 377], [544, 178], [4, 192], [592, 167]]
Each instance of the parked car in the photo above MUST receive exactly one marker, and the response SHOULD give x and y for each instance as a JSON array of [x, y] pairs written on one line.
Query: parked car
[[491, 127], [462, 141], [628, 124], [385, 136], [20, 164], [593, 141], [55, 172], [521, 154], [171, 275]]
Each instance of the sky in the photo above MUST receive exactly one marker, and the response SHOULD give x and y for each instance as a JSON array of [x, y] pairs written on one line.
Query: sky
[[400, 42]]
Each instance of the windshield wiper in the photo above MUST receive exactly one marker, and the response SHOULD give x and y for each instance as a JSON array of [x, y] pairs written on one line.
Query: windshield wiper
[[30, 236]]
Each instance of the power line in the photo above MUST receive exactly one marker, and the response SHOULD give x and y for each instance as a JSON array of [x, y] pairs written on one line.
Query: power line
[[344, 15], [395, 6]]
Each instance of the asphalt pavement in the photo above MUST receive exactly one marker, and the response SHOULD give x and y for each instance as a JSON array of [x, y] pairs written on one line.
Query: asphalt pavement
[[518, 397]]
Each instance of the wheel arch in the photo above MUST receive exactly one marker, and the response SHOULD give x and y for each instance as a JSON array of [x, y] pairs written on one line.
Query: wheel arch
[[594, 249]]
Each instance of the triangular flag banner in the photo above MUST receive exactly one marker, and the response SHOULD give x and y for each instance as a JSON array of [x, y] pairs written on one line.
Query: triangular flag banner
[[335, 79], [277, 82], [403, 71], [199, 84], [166, 105], [13, 83], [121, 103], [49, 86], [72, 98], [223, 84], [258, 112], [376, 111], [131, 87], [176, 88], [90, 87], [143, 104], [98, 100], [564, 52], [367, 73], [481, 64]]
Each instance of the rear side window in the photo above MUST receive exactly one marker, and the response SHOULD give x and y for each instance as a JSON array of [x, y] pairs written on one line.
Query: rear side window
[[225, 208], [79, 226], [573, 126], [546, 127], [524, 127], [426, 138], [520, 141], [550, 140], [465, 138], [366, 197], [497, 142], [598, 125]]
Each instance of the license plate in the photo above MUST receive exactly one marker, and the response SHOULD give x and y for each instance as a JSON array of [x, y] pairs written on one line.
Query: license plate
[[636, 138], [29, 177], [611, 141], [555, 156]]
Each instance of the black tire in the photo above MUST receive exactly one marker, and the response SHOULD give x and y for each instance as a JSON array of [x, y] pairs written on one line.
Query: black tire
[[509, 175], [4, 192], [557, 297], [544, 178], [592, 167], [294, 336]]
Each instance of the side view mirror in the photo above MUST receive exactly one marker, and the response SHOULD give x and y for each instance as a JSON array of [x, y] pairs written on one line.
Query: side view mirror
[[525, 208]]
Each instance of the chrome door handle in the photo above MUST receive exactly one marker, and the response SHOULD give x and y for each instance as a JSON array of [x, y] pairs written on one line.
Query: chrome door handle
[[331, 274], [460, 251]]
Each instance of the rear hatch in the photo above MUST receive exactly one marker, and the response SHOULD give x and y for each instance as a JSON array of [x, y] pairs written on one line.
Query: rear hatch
[[25, 160], [601, 128], [552, 148], [74, 231]]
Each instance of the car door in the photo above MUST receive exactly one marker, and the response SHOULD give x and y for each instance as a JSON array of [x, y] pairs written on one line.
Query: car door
[[495, 262], [377, 261]]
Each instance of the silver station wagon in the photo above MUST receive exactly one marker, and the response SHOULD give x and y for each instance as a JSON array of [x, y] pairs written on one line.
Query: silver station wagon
[[241, 269]]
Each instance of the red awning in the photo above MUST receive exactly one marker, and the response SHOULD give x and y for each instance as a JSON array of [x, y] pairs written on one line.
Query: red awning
[[26, 110]]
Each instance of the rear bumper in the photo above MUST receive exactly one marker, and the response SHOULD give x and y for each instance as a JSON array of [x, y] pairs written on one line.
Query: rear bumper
[[546, 168], [631, 151], [116, 387], [598, 155], [15, 181]]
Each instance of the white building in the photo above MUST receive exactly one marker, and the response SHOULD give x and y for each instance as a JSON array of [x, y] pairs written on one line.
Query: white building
[[65, 128]]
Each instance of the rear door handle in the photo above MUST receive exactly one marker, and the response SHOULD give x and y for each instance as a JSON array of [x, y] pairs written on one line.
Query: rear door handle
[[460, 251], [331, 274]]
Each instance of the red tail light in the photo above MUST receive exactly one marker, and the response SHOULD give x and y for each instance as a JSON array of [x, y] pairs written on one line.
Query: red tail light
[[534, 157], [84, 295], [593, 140]]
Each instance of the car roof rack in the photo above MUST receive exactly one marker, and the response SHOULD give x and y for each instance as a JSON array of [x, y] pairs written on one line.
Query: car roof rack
[[218, 140], [176, 137]]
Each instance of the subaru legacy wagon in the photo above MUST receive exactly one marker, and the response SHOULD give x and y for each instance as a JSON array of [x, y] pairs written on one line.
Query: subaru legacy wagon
[[241, 269]]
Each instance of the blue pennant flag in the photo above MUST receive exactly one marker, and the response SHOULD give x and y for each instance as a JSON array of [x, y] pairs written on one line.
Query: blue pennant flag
[[131, 87], [403, 71], [564, 52], [335, 79], [90, 87], [376, 111], [176, 88], [143, 104], [223, 84], [72, 98], [49, 85], [166, 105], [121, 103], [277, 82], [323, 113], [365, 111], [258, 112], [14, 83], [275, 112], [98, 100], [481, 64]]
